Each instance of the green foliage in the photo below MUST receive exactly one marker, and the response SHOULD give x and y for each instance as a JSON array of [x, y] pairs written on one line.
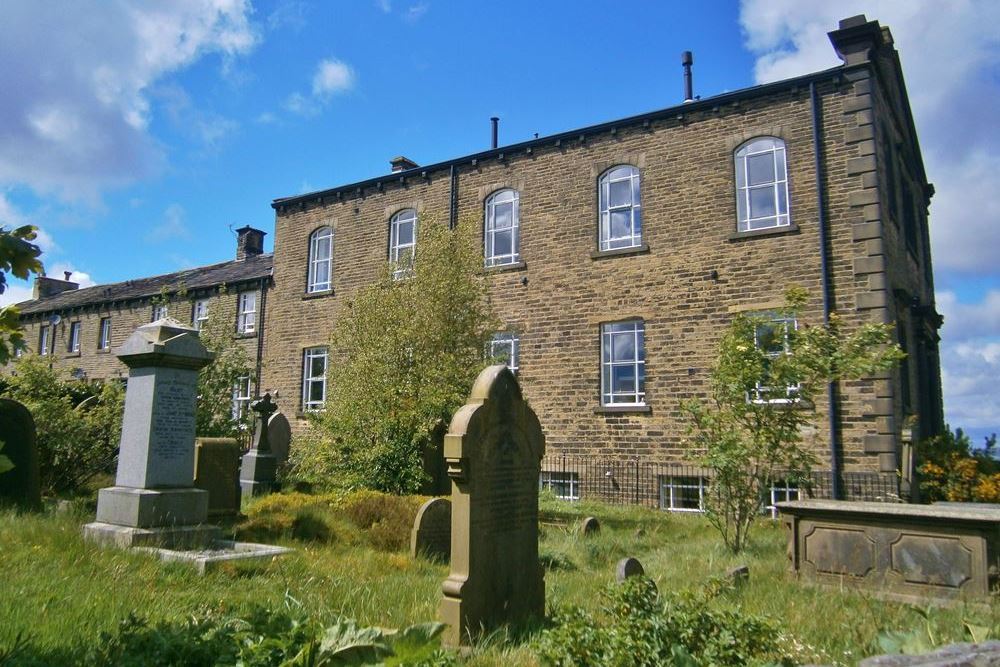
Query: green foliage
[[73, 444], [404, 357], [763, 390], [950, 469], [640, 627], [927, 638], [18, 256], [388, 518], [5, 463], [214, 417]]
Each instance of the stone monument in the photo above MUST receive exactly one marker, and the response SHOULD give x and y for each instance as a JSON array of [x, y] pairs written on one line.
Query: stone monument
[[22, 484], [217, 470], [627, 568], [154, 501], [279, 436], [258, 472], [493, 451], [431, 535]]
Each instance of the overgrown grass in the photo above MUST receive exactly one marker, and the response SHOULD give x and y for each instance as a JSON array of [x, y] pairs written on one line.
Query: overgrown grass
[[60, 591]]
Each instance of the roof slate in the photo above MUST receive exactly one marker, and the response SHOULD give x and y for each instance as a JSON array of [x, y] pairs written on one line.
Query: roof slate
[[229, 273]]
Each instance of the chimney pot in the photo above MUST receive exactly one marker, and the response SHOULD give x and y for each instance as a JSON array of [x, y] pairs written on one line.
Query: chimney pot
[[495, 122], [687, 59], [67, 275]]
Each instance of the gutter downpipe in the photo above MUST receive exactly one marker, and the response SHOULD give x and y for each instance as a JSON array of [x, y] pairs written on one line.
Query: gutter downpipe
[[453, 203], [831, 387], [260, 334]]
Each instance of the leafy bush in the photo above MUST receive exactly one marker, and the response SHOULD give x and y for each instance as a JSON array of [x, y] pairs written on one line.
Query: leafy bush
[[387, 518], [74, 445], [261, 638], [951, 470], [640, 627]]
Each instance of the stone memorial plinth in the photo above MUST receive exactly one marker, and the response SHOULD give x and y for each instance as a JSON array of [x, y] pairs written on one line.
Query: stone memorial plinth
[[431, 534], [259, 467], [22, 485], [901, 552], [217, 470], [493, 451], [154, 501]]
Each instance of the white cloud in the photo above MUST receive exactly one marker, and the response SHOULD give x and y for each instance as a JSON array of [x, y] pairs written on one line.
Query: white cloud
[[416, 12], [76, 77], [385, 6], [59, 269], [171, 227], [16, 292], [331, 77], [205, 127]]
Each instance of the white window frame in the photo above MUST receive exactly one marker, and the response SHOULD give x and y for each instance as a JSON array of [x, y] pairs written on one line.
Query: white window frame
[[507, 345], [780, 491], [160, 311], [565, 485], [610, 331], [618, 174], [44, 331], [104, 334], [199, 315], [309, 379], [246, 320], [671, 495], [242, 394], [759, 390], [73, 344], [491, 231], [320, 260], [398, 248], [756, 147]]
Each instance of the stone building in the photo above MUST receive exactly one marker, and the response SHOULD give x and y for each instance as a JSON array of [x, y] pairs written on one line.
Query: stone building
[[621, 251], [77, 329]]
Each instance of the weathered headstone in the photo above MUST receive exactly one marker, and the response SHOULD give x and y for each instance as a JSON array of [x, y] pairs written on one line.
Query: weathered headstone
[[493, 452], [431, 535], [20, 485], [259, 467], [628, 567], [738, 575], [590, 526], [154, 501], [279, 435], [217, 470]]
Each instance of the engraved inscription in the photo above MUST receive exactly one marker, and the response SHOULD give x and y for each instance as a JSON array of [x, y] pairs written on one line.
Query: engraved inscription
[[173, 419]]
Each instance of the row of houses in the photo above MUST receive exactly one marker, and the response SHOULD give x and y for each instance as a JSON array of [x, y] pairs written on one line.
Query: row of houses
[[619, 254]]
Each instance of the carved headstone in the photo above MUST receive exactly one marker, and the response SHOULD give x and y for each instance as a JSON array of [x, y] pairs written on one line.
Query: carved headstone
[[431, 535], [154, 500], [628, 567], [20, 485], [590, 526], [259, 467], [279, 435], [738, 575], [217, 470], [493, 452]]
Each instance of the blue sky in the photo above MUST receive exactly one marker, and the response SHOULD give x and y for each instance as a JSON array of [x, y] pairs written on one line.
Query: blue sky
[[136, 134]]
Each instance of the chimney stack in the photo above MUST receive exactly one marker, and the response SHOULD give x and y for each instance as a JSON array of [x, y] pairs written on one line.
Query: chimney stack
[[401, 163], [858, 40], [249, 242], [495, 122], [687, 59], [45, 287]]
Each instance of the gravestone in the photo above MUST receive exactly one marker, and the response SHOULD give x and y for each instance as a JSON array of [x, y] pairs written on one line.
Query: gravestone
[[217, 470], [259, 467], [738, 575], [493, 451], [279, 436], [22, 484], [431, 535], [154, 501], [628, 567], [590, 526]]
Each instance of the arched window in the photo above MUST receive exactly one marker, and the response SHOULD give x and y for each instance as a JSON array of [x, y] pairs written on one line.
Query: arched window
[[761, 185], [402, 242], [502, 232], [320, 260], [620, 206]]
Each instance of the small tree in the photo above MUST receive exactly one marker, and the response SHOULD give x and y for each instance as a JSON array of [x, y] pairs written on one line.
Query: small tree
[[951, 469], [769, 372], [19, 256], [404, 356], [232, 366]]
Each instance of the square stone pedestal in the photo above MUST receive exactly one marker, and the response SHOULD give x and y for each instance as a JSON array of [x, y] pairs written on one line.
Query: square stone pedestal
[[258, 473], [128, 517]]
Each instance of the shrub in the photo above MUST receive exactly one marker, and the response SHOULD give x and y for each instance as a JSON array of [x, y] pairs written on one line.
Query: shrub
[[640, 627], [387, 518], [951, 470]]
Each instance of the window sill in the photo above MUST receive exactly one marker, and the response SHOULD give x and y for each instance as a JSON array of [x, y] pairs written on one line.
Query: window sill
[[618, 252], [500, 268], [104, 350], [241, 336], [306, 414], [70, 355], [317, 295], [771, 231], [623, 409]]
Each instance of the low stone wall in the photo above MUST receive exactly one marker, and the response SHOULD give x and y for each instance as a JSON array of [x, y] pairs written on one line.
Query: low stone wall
[[901, 552]]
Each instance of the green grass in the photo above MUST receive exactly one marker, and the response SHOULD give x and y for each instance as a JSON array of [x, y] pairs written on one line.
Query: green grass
[[60, 591]]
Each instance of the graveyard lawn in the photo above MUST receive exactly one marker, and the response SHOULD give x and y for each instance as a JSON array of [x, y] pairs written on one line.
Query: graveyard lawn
[[61, 591]]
